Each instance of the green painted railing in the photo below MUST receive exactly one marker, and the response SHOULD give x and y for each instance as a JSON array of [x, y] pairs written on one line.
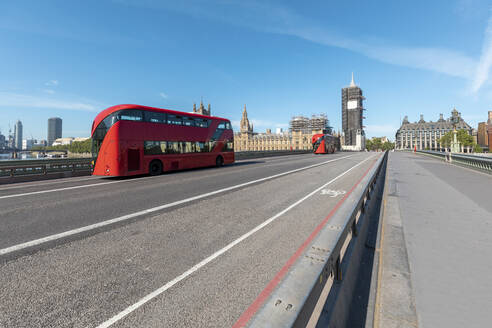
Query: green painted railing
[[480, 163], [13, 168]]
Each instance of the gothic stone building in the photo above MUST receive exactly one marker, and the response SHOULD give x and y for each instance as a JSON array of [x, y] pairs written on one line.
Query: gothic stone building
[[426, 135], [201, 110], [247, 140]]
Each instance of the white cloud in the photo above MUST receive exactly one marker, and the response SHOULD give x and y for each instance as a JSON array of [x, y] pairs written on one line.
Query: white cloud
[[483, 67], [52, 83], [163, 95], [20, 100], [272, 18], [50, 91], [278, 19]]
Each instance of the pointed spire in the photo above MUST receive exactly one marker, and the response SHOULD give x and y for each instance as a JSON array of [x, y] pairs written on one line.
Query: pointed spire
[[352, 83], [194, 108], [244, 110]]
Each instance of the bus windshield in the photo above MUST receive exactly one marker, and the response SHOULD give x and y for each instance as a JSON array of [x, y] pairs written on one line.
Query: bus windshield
[[100, 132]]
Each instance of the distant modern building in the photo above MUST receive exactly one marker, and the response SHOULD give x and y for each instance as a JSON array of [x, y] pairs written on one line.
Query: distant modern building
[[54, 129], [201, 110], [18, 135], [68, 141], [27, 144], [2, 141], [426, 135], [41, 143], [352, 117], [62, 141]]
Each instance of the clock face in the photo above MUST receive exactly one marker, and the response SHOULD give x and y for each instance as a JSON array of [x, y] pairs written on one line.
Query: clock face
[[352, 104]]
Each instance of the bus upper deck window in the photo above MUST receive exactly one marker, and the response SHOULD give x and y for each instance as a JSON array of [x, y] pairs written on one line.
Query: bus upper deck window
[[155, 117], [131, 115], [174, 119], [222, 125], [188, 121]]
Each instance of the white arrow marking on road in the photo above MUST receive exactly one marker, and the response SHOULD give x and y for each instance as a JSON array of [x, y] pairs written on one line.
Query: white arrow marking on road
[[332, 193]]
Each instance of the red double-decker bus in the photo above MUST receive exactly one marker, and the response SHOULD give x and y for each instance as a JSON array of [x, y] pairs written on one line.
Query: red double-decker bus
[[132, 140], [323, 144]]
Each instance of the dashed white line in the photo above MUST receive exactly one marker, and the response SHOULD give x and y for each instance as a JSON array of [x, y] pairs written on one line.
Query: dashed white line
[[69, 233], [46, 182], [215, 255]]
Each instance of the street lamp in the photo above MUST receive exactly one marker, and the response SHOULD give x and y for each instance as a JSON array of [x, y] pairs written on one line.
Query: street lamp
[[455, 145]]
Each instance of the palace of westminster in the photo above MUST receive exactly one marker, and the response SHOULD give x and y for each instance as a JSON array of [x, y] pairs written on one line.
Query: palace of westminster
[[420, 135], [301, 128], [298, 138]]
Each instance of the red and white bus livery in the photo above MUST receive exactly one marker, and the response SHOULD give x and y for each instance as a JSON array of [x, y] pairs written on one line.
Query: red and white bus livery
[[323, 144], [133, 139]]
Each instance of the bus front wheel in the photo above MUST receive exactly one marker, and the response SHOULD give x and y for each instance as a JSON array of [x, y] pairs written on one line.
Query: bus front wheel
[[219, 161], [155, 167]]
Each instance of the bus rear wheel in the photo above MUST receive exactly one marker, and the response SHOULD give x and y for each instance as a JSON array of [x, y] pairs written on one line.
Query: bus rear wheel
[[219, 161], [155, 167]]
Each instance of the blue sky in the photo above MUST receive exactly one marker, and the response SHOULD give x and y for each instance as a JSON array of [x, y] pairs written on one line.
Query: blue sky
[[281, 58]]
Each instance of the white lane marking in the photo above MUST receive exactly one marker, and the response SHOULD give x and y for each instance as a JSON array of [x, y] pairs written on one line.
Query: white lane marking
[[98, 184], [60, 189], [212, 257], [150, 210], [46, 183]]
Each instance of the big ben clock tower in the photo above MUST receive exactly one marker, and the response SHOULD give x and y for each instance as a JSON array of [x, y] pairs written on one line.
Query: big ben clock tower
[[352, 114]]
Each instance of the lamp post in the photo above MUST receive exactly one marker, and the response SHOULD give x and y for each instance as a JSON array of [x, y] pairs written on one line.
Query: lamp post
[[455, 145]]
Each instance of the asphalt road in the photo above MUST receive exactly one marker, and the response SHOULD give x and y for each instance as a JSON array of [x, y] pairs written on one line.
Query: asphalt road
[[198, 263]]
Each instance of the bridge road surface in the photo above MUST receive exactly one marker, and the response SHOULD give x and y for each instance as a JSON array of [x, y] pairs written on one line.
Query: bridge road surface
[[104, 275], [442, 215]]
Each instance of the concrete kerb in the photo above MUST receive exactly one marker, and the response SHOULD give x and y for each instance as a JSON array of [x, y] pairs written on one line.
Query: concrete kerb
[[372, 318], [391, 288]]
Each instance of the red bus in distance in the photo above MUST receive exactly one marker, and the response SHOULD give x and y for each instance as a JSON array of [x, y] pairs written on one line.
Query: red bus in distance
[[133, 139], [323, 144]]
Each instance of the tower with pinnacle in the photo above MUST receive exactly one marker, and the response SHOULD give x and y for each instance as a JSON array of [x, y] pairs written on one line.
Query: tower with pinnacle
[[201, 110], [352, 114], [245, 126]]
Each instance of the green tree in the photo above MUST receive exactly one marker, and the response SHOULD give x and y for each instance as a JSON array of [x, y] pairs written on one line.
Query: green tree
[[368, 144], [477, 149], [80, 146], [464, 138], [388, 145], [377, 144], [446, 139]]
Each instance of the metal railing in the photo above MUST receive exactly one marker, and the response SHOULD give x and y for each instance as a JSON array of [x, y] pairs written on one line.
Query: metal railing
[[325, 264], [480, 163], [43, 166]]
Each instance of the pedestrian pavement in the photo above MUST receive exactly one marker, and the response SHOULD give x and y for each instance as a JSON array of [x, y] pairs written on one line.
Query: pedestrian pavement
[[436, 244]]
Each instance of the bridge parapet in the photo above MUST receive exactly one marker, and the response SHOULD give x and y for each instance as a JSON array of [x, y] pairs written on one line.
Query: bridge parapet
[[480, 163], [326, 273]]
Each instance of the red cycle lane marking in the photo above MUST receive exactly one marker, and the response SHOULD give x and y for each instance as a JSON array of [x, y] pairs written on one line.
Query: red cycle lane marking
[[265, 293]]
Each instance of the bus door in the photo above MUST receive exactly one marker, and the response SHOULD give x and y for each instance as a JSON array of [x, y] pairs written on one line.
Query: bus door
[[133, 156]]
